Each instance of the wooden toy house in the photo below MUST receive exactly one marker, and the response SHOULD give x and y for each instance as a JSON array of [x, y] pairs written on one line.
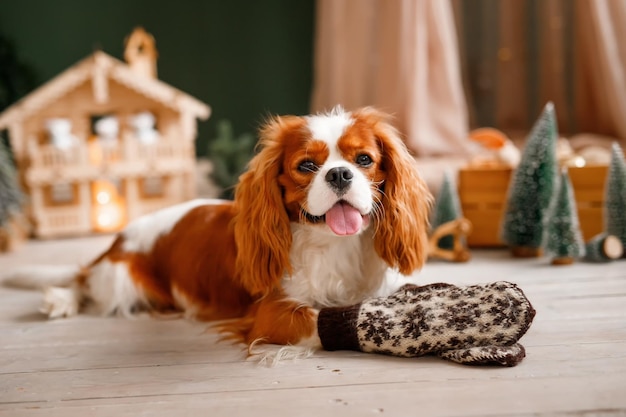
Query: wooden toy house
[[104, 142]]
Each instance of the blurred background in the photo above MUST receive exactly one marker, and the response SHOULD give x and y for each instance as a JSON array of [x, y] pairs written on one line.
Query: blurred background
[[442, 68], [245, 59], [250, 59]]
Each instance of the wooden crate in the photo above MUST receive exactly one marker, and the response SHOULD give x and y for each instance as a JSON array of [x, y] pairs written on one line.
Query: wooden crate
[[483, 193], [589, 184]]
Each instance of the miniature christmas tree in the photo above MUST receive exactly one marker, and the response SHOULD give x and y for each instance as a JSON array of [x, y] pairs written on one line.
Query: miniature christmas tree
[[10, 197], [563, 237], [615, 196], [447, 208], [531, 188], [603, 248], [229, 155]]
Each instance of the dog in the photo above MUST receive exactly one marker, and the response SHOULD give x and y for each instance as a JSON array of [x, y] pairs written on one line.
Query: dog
[[331, 206]]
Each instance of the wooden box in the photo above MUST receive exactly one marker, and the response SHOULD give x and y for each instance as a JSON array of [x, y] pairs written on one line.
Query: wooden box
[[483, 194], [589, 188]]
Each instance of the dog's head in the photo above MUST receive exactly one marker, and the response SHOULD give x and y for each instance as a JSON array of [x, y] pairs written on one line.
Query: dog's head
[[341, 172]]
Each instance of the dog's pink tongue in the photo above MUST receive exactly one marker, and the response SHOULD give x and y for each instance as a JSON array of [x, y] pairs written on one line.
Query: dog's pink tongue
[[343, 219]]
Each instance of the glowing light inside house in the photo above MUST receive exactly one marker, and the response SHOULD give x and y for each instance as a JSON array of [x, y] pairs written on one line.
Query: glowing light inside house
[[109, 216], [104, 220], [103, 197], [108, 210]]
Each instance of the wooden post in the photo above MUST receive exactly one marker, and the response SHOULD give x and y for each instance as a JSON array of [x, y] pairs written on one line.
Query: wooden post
[[141, 53]]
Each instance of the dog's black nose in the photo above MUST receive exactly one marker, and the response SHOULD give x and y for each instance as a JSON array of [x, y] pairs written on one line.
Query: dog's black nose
[[339, 178]]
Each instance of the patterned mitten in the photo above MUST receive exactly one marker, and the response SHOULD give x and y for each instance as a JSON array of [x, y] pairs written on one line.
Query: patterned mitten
[[478, 324]]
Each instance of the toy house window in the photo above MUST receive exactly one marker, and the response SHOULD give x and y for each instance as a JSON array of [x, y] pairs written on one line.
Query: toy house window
[[59, 133], [152, 187], [144, 127], [61, 194], [105, 127]]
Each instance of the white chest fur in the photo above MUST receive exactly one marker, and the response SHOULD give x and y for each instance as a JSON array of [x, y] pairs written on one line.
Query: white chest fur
[[329, 270]]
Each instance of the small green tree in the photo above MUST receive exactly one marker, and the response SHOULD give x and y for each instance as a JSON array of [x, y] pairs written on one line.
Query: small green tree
[[531, 188], [229, 155], [10, 194], [615, 196], [16, 80], [564, 241], [447, 208]]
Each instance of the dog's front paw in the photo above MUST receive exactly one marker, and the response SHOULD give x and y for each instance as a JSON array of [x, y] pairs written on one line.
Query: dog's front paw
[[487, 355], [60, 302]]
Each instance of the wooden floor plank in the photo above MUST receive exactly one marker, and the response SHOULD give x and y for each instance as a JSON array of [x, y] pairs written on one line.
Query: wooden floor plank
[[88, 365], [115, 383], [548, 396]]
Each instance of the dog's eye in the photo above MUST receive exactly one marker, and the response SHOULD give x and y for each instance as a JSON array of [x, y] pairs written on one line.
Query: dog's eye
[[364, 160], [307, 166]]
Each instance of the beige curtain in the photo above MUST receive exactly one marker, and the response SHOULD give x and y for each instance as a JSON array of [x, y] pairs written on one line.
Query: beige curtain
[[400, 56], [519, 54], [601, 62]]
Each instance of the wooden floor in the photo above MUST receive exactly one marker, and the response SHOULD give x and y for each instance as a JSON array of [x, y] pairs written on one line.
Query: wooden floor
[[93, 366]]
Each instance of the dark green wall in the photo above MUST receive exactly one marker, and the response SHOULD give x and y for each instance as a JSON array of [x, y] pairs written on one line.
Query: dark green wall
[[246, 59]]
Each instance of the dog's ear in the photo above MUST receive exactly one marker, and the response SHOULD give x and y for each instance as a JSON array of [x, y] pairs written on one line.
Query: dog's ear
[[401, 237], [261, 224]]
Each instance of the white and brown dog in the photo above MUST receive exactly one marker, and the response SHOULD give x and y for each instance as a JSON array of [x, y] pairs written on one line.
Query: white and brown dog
[[331, 206]]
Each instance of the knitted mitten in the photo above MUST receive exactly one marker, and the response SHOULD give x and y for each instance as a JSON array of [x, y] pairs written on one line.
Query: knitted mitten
[[478, 324]]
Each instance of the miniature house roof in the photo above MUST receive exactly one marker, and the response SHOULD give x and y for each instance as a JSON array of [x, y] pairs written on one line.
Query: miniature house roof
[[100, 67]]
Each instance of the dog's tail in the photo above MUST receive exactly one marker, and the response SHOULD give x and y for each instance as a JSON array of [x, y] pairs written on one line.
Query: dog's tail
[[39, 277]]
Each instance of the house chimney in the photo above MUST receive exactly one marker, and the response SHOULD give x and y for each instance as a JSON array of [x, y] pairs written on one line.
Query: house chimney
[[141, 53]]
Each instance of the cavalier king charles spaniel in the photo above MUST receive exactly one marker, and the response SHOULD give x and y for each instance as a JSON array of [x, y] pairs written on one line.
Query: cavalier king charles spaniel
[[331, 206]]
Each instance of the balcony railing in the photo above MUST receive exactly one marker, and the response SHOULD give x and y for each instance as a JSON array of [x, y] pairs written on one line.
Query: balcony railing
[[126, 151]]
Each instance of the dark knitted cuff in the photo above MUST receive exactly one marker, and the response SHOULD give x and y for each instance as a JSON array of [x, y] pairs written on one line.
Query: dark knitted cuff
[[336, 327]]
